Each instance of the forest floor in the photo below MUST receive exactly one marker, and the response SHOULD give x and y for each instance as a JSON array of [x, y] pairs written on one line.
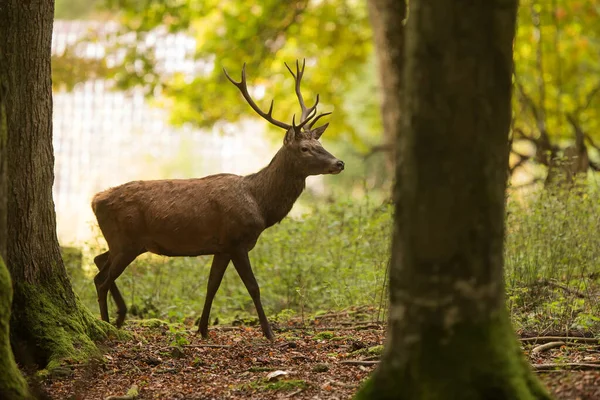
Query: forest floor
[[326, 358]]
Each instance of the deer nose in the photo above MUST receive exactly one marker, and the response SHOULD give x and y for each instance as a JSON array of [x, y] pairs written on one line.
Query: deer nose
[[340, 164]]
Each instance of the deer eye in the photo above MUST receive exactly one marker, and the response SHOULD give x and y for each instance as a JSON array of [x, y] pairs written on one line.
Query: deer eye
[[304, 149]]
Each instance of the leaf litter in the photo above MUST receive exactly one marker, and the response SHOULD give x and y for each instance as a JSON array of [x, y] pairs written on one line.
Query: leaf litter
[[327, 359]]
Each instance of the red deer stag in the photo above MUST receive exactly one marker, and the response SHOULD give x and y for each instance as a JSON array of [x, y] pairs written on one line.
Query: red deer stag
[[221, 214]]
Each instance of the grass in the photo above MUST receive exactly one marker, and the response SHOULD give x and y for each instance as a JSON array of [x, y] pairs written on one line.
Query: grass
[[336, 256]]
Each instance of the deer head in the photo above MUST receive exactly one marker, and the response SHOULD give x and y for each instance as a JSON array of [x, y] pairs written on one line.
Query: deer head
[[301, 146]]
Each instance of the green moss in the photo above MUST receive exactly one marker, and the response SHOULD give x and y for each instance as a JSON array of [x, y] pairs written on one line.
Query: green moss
[[477, 361], [375, 350], [12, 383], [324, 335], [51, 331]]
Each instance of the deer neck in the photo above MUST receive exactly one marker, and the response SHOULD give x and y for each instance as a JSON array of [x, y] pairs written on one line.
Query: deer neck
[[276, 188]]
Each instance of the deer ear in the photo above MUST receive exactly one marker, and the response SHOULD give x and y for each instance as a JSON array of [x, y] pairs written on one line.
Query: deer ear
[[319, 131], [289, 137]]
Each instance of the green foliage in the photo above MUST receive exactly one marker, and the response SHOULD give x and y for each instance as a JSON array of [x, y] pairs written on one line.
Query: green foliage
[[336, 257], [552, 253], [334, 36], [556, 71], [74, 9]]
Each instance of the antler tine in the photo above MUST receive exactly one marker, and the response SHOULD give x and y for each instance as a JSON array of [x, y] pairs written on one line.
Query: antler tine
[[243, 87], [306, 112], [316, 119], [298, 127]]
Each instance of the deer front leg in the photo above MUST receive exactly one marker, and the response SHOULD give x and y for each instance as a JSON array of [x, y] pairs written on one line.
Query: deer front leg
[[217, 270], [241, 262]]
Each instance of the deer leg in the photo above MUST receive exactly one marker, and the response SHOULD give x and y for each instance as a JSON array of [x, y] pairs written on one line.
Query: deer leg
[[217, 270], [106, 278], [241, 262], [102, 261]]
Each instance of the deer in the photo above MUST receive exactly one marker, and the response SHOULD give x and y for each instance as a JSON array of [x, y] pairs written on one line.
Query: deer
[[221, 215]]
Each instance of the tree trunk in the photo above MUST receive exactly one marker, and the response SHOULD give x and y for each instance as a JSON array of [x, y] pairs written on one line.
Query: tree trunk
[[48, 322], [449, 334], [12, 384], [387, 18]]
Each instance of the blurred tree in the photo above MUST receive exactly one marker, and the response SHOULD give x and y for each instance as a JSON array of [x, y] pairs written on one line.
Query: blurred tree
[[47, 322], [556, 69], [333, 35], [75, 9], [449, 333], [557, 77]]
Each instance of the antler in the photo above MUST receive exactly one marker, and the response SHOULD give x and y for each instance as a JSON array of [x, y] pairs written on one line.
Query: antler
[[243, 87], [308, 113]]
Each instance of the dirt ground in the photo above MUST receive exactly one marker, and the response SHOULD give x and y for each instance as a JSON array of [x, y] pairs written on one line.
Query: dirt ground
[[328, 359]]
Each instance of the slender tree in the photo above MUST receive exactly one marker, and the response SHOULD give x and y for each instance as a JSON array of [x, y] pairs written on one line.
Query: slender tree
[[449, 334], [387, 19], [48, 322]]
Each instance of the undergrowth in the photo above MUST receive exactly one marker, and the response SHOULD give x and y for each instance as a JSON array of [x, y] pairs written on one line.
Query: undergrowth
[[336, 257]]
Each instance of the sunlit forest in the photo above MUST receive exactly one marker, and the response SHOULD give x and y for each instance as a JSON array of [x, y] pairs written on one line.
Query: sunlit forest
[[140, 93]]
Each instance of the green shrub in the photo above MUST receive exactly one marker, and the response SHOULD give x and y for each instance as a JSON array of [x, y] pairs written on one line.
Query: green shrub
[[335, 256]]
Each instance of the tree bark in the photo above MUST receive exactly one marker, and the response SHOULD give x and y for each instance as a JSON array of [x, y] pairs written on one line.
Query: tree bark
[[48, 322], [12, 383], [449, 334], [387, 18]]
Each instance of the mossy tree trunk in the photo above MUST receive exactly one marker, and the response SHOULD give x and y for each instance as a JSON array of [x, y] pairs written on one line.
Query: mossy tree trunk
[[449, 334], [48, 322], [12, 383]]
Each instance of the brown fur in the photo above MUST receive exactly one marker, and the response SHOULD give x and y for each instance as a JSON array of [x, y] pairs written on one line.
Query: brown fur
[[220, 214]]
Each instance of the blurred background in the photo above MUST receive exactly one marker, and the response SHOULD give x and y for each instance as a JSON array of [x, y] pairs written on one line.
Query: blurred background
[[139, 93]]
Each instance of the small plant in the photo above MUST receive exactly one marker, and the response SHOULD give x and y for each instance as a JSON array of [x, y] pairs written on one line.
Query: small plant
[[179, 336], [324, 335]]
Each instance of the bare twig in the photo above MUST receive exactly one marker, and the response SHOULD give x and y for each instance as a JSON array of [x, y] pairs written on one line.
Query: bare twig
[[295, 393], [588, 99], [359, 362], [547, 346], [545, 339], [215, 346], [558, 285], [380, 148], [578, 366]]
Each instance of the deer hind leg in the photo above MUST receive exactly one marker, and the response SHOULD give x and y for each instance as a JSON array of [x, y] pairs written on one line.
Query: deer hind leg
[[102, 261], [217, 270], [241, 262], [105, 279]]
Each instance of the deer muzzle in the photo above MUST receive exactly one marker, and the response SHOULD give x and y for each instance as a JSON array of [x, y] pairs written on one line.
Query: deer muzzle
[[338, 166]]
